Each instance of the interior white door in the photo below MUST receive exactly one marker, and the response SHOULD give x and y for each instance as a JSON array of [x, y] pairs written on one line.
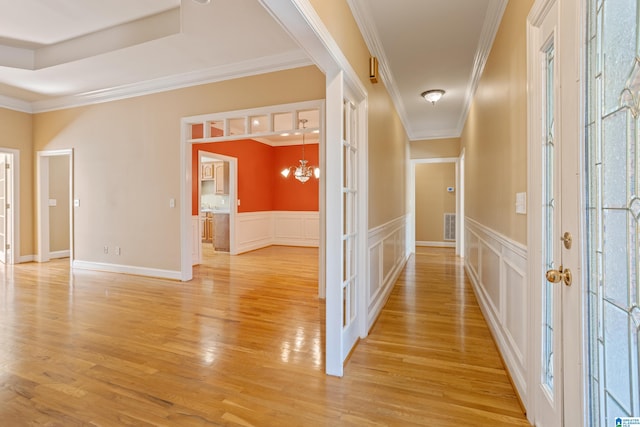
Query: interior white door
[[555, 226], [613, 211], [3, 208]]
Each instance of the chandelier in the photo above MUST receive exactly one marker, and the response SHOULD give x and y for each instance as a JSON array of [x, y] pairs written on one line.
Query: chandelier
[[303, 171]]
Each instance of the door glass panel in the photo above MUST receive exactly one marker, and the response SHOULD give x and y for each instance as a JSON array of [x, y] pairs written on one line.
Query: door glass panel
[[613, 210], [549, 206]]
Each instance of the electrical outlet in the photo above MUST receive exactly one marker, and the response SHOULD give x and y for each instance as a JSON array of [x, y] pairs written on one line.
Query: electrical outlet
[[106, 249], [117, 250]]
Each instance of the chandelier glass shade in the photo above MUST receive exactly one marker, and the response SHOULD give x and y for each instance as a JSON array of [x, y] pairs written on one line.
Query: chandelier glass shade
[[302, 172]]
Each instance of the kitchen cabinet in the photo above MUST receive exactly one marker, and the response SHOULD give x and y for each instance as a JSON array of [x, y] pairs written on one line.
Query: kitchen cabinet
[[207, 171], [207, 225], [221, 176], [221, 235]]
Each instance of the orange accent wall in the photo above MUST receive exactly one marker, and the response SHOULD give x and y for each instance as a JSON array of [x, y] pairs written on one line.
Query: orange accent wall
[[261, 187], [290, 194]]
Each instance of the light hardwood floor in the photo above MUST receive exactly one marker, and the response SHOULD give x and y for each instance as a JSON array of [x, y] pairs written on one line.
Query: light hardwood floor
[[243, 345]]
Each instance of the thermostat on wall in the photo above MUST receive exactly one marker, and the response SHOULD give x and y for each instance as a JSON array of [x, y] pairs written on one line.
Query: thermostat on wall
[[450, 189]]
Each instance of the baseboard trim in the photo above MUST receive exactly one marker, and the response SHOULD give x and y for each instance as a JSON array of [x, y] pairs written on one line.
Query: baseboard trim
[[127, 269], [436, 244], [25, 258], [59, 254]]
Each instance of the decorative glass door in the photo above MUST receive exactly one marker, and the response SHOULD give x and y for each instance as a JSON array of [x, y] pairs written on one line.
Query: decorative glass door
[[613, 210]]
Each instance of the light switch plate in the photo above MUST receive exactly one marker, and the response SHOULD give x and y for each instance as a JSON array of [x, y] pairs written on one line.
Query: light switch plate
[[53, 202], [521, 203]]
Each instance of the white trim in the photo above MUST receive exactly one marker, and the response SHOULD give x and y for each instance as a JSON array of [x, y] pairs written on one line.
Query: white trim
[[436, 244], [126, 269], [492, 19], [15, 104], [59, 254], [278, 62], [26, 258]]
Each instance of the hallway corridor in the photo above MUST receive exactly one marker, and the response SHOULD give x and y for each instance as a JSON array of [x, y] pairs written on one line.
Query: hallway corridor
[[243, 345]]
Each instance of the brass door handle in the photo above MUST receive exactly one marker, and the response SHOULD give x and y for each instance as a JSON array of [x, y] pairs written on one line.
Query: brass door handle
[[560, 275]]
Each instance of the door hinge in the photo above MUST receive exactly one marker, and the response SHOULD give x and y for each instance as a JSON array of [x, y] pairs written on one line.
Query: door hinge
[[8, 205], [7, 166], [8, 246]]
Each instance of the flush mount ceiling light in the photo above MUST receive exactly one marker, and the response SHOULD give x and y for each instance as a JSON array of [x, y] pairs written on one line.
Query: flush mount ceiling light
[[302, 172], [433, 95], [202, 1]]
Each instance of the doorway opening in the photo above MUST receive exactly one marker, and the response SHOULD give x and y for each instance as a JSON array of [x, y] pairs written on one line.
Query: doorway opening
[[216, 201], [436, 190], [55, 205]]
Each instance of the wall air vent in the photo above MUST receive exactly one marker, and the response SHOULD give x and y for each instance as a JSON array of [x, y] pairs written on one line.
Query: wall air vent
[[450, 226]]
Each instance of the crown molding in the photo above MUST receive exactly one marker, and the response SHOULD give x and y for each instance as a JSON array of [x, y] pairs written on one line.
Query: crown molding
[[441, 134], [369, 31], [289, 60], [490, 29], [15, 104]]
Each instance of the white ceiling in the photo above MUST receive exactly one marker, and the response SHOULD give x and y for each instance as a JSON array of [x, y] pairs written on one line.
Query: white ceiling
[[60, 53], [430, 44]]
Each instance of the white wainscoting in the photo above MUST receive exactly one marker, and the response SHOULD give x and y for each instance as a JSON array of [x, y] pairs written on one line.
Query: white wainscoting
[[387, 257], [497, 267], [255, 230]]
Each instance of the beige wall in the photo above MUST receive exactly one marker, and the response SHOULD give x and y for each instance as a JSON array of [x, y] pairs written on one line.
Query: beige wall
[[435, 148], [495, 134], [433, 200], [388, 141], [16, 133], [59, 214], [127, 161]]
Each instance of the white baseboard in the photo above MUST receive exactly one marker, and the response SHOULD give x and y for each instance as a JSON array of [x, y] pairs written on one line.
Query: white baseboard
[[127, 269], [25, 258], [436, 244], [60, 254]]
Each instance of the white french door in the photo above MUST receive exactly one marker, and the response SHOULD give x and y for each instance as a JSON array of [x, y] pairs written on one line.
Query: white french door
[[4, 189], [350, 236]]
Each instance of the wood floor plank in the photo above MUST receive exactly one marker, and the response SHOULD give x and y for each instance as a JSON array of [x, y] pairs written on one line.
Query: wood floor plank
[[243, 345]]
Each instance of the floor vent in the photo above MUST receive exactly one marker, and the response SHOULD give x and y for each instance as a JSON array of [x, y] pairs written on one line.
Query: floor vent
[[449, 226]]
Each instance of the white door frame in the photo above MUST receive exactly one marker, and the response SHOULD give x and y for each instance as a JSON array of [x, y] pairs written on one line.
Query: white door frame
[[569, 44], [459, 198], [42, 203], [233, 198], [13, 213]]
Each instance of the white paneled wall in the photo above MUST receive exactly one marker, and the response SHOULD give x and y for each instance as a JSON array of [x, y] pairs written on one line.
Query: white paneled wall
[[257, 230], [387, 256], [497, 266]]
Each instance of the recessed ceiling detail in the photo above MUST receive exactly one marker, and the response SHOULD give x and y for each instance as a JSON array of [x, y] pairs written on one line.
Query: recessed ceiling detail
[[62, 53]]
